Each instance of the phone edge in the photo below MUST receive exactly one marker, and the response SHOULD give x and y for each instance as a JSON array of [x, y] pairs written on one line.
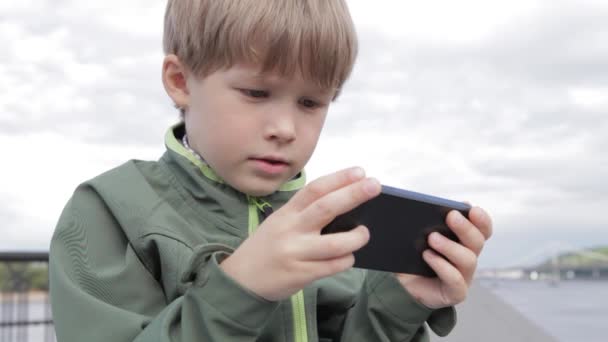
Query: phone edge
[[417, 196]]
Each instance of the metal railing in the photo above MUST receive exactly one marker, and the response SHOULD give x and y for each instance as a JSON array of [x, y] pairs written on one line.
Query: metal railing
[[25, 314]]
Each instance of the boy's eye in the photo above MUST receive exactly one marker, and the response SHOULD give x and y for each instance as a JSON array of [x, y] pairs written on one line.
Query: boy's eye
[[255, 93], [308, 103]]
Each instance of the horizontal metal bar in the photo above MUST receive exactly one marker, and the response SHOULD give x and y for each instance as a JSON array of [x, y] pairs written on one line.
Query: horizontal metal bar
[[30, 256], [24, 323]]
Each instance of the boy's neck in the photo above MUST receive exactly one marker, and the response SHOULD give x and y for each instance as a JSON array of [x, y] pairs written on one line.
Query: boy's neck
[[187, 146]]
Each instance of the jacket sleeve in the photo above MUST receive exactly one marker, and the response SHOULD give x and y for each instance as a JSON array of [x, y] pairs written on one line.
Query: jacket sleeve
[[101, 290], [384, 311]]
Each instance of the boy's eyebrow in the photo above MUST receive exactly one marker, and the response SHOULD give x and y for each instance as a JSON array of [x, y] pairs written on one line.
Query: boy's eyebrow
[[266, 77], [255, 75], [261, 75]]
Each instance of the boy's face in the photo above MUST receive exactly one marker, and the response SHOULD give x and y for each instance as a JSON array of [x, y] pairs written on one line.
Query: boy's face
[[255, 130]]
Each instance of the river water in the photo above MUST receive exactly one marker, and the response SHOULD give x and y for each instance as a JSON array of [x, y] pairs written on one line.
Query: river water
[[571, 311]]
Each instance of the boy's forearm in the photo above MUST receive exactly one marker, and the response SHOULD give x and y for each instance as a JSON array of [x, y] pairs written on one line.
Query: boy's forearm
[[384, 311], [101, 291], [206, 312], [218, 309]]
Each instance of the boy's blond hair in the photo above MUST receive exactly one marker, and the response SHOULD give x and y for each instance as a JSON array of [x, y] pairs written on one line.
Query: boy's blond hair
[[314, 37]]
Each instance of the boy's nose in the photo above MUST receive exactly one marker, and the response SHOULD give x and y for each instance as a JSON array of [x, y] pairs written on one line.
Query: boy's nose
[[281, 127]]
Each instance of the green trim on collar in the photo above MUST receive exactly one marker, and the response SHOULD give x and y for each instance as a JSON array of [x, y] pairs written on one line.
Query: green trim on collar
[[295, 184], [173, 144], [176, 146]]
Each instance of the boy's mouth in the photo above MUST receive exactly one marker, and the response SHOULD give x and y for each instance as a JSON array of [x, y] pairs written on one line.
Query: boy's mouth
[[273, 160], [270, 165]]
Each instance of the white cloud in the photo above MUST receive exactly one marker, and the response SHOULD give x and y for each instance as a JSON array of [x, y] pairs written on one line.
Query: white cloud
[[44, 170], [500, 103], [439, 20], [592, 98]]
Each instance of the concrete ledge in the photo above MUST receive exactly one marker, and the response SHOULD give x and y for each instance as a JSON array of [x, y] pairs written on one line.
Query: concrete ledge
[[486, 317]]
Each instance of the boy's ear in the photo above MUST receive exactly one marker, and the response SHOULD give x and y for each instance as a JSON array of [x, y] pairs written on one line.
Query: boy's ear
[[175, 81]]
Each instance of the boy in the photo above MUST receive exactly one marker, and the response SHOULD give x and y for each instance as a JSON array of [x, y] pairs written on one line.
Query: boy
[[189, 249]]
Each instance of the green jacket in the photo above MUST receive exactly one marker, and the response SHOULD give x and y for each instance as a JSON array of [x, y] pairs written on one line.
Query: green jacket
[[135, 258]]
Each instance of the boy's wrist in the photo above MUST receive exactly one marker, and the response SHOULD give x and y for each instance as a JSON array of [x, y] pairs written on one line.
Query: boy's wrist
[[387, 290], [396, 299], [240, 272], [231, 269], [220, 288]]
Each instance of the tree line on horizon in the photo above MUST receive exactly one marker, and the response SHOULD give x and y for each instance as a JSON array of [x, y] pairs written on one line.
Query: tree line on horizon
[[19, 276], [590, 257]]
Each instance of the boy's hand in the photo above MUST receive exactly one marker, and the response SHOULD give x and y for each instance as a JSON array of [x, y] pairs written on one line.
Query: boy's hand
[[288, 252], [456, 273]]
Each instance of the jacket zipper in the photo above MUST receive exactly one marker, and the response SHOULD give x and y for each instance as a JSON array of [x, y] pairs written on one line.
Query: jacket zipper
[[297, 300]]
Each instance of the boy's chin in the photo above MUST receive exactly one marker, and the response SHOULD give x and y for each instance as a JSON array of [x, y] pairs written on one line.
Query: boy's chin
[[259, 189]]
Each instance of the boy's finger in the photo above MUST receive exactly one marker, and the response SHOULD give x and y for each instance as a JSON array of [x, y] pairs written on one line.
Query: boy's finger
[[331, 246], [322, 211], [326, 268], [468, 234], [455, 284], [481, 220], [324, 185], [458, 255]]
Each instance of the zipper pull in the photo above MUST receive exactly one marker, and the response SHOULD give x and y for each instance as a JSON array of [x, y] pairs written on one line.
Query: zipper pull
[[264, 207]]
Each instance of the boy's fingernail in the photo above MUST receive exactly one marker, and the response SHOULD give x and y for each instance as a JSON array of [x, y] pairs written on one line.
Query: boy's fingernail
[[357, 173], [371, 186], [436, 237], [458, 218]]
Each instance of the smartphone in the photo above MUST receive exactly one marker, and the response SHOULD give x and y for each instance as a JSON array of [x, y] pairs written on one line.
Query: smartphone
[[399, 222]]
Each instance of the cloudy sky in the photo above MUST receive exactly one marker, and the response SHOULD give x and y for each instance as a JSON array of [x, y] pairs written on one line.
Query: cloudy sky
[[501, 103]]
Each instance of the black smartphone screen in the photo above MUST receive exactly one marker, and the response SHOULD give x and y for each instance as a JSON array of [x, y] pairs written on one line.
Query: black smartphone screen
[[399, 222]]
